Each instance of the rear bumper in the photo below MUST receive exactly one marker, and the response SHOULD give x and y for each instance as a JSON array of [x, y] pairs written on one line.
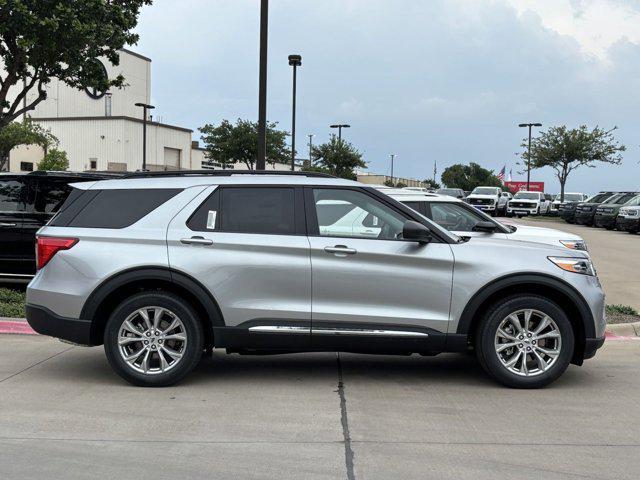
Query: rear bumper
[[45, 322], [591, 346]]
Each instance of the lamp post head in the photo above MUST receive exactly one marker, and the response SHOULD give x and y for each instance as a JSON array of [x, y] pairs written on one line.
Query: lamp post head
[[295, 60], [530, 125], [144, 105], [343, 125]]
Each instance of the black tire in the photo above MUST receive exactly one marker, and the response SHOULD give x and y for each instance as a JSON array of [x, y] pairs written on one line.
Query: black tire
[[191, 352], [486, 334]]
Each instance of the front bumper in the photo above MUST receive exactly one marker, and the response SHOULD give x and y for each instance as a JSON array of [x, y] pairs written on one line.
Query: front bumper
[[584, 218], [606, 221], [45, 322], [628, 224], [591, 346], [484, 208], [522, 210], [568, 215]]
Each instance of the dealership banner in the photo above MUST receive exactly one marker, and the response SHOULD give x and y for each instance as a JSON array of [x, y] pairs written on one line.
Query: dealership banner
[[521, 186]]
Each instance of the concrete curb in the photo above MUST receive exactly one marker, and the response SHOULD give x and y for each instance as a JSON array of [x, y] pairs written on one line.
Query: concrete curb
[[625, 329]]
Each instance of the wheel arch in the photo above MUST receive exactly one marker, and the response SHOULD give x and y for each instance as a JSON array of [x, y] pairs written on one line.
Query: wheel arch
[[560, 292], [121, 285]]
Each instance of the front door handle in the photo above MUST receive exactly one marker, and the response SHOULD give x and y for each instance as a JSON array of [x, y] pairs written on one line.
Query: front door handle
[[8, 224], [341, 250], [196, 241]]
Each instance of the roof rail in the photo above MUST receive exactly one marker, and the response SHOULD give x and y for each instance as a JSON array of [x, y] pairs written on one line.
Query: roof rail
[[44, 173], [223, 173]]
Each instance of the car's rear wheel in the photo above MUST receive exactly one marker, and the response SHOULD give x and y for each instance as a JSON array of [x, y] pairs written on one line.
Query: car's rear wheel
[[525, 341], [153, 339]]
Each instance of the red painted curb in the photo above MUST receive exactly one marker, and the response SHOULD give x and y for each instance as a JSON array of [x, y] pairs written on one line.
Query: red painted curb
[[16, 327], [612, 336]]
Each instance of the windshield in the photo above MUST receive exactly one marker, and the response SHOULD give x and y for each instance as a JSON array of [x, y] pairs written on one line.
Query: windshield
[[572, 197], [526, 196], [450, 191], [484, 191], [634, 202], [623, 198], [600, 197]]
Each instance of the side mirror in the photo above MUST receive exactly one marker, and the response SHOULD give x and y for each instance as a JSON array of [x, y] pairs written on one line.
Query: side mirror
[[487, 227], [416, 231]]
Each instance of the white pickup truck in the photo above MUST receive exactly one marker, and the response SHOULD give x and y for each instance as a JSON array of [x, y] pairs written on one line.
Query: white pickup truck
[[489, 199]]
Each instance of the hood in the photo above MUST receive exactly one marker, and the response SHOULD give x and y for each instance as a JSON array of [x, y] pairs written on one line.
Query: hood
[[477, 195], [524, 247], [526, 231]]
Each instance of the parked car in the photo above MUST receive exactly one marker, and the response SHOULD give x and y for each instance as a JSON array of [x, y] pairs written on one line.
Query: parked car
[[528, 203], [606, 214], [452, 192], [464, 220], [629, 216], [488, 199], [586, 211], [557, 206], [569, 209], [27, 202], [160, 267]]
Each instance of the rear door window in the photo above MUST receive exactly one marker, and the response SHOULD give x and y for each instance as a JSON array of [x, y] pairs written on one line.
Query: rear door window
[[265, 210]]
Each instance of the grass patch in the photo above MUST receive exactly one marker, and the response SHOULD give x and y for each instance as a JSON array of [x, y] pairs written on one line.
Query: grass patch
[[12, 303], [621, 310]]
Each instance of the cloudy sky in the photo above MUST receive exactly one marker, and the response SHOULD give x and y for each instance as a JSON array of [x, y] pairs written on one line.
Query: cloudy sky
[[428, 80]]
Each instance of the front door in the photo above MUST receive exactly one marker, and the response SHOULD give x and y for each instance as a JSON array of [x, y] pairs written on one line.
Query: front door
[[12, 205], [247, 246], [368, 286]]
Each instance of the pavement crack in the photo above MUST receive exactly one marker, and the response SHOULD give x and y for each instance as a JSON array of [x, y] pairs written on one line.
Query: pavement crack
[[348, 451], [35, 364]]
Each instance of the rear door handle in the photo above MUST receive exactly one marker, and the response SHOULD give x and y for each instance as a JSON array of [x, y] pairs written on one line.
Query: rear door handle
[[8, 224], [196, 241], [341, 250]]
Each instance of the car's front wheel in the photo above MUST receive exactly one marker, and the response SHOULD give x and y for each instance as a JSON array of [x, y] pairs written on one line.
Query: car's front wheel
[[525, 341], [153, 339]]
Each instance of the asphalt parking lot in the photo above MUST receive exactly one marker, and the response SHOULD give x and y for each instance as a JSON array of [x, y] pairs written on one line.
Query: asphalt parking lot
[[616, 256], [64, 414]]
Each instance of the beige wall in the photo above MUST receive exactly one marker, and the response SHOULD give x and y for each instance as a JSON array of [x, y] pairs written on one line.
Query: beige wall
[[373, 179]]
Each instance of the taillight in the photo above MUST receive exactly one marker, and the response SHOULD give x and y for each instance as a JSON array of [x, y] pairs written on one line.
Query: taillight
[[47, 247]]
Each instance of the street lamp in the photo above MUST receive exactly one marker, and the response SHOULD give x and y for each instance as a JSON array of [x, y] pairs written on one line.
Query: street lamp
[[393, 156], [145, 108], [295, 61], [310, 135], [340, 127], [529, 125], [262, 86]]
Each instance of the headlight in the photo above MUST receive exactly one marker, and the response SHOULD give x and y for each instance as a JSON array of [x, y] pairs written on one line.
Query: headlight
[[583, 266], [575, 244]]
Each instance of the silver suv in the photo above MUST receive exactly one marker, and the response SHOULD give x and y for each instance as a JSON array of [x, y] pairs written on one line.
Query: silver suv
[[161, 268]]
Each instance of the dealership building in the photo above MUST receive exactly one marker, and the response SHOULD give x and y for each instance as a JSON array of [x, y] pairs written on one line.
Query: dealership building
[[104, 130]]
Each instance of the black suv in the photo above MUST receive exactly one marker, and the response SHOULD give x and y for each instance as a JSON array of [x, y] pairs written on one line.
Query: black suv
[[586, 211], [27, 202]]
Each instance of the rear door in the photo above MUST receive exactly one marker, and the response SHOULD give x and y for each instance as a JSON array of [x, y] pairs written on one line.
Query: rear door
[[247, 245], [13, 190]]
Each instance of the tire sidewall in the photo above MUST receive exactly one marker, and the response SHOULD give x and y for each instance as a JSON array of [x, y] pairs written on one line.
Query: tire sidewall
[[486, 339], [192, 326]]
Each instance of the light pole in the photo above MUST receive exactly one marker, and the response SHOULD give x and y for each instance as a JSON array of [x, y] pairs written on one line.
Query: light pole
[[393, 156], [530, 125], [340, 127], [295, 61], [145, 108], [262, 86], [311, 135]]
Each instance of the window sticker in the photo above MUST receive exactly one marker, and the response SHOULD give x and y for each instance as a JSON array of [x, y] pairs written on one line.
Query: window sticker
[[211, 220]]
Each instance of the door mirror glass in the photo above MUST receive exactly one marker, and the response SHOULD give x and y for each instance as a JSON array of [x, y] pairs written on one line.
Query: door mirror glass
[[485, 227], [416, 231]]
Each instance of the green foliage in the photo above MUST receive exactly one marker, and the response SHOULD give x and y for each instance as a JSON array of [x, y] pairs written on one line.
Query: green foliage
[[227, 143], [388, 183], [468, 177], [12, 303], [565, 150], [401, 185], [41, 40], [23, 133], [621, 310], [336, 157], [431, 183], [54, 160]]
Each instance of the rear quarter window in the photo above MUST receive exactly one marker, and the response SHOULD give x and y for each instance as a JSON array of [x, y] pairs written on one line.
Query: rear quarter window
[[109, 208]]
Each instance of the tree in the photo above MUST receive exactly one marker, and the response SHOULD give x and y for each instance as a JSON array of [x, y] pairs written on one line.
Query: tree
[[23, 133], [401, 185], [336, 157], [227, 143], [55, 160], [468, 177], [41, 40], [565, 150], [431, 183]]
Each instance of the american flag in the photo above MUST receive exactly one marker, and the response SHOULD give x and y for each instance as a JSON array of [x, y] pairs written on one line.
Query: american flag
[[501, 174]]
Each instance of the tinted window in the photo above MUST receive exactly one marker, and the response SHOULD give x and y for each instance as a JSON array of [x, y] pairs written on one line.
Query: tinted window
[[454, 217], [526, 196], [417, 206], [484, 191], [206, 217], [625, 198], [364, 217], [119, 208], [12, 195], [258, 210], [50, 195]]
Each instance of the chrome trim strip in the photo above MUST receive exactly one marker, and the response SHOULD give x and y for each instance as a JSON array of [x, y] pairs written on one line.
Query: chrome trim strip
[[351, 331], [279, 329], [16, 275]]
